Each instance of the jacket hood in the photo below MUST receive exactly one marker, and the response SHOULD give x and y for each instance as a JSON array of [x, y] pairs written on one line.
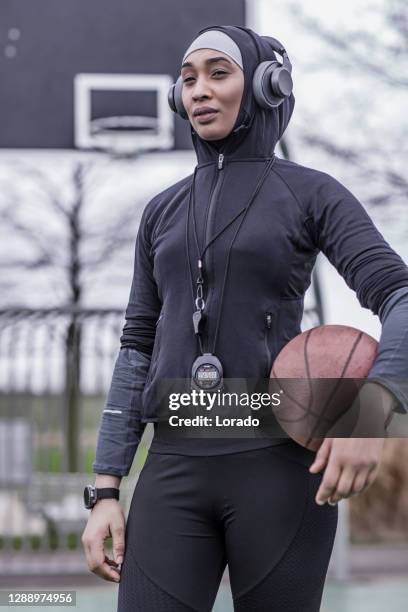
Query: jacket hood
[[256, 130]]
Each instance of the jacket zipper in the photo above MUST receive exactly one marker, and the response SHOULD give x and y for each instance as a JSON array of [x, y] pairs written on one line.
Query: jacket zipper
[[211, 208], [213, 198]]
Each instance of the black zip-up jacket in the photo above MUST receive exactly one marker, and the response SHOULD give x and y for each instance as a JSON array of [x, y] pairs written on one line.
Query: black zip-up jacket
[[294, 213]]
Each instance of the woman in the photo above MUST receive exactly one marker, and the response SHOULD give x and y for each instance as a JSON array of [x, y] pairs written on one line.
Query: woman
[[222, 262]]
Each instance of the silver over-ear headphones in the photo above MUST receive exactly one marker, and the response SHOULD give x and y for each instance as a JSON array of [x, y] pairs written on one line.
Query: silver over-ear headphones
[[271, 83]]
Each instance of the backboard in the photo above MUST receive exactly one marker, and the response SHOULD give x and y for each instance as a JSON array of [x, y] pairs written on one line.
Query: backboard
[[123, 133], [73, 72]]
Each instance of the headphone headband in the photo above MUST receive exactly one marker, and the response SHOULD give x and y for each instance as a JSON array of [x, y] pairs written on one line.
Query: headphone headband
[[279, 48]]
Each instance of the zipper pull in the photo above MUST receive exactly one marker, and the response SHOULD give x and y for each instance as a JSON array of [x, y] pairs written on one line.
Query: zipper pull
[[220, 161], [268, 320]]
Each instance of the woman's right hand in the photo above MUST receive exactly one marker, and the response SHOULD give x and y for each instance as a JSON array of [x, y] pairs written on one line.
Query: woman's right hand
[[106, 519]]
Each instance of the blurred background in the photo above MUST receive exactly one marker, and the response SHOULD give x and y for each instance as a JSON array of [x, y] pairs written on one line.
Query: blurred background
[[86, 140]]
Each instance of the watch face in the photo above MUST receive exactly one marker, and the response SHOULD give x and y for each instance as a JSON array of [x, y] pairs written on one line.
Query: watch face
[[207, 376], [89, 496]]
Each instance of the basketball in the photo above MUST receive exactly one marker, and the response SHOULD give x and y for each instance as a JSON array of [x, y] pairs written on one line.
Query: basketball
[[318, 375]]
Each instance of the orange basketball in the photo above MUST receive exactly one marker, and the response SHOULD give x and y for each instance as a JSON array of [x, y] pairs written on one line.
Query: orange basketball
[[318, 374]]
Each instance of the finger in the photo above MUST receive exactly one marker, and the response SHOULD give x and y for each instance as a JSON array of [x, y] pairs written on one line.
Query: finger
[[94, 556], [116, 567], [328, 484], [111, 562], [118, 542], [365, 479], [370, 479], [322, 457], [360, 482], [105, 571], [344, 485], [97, 560]]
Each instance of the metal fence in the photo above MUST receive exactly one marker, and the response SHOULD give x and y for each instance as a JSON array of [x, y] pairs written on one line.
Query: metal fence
[[55, 370]]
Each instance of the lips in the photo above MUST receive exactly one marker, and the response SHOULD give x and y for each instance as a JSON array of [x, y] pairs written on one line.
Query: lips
[[207, 110], [206, 118], [205, 115]]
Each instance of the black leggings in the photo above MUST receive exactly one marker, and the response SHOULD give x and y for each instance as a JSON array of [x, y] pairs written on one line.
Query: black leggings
[[254, 510]]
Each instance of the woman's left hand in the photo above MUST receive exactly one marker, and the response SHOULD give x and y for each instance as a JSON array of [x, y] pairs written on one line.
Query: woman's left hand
[[351, 466]]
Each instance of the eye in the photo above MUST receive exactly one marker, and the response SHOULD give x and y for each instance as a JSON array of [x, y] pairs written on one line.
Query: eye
[[214, 73]]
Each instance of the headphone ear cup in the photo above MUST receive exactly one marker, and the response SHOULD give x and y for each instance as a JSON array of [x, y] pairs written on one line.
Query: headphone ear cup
[[170, 98], [271, 84], [282, 83], [175, 100]]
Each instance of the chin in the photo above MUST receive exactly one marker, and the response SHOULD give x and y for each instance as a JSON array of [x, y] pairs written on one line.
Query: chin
[[210, 134]]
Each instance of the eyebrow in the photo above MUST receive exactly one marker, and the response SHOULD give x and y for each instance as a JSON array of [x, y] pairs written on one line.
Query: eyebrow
[[211, 60]]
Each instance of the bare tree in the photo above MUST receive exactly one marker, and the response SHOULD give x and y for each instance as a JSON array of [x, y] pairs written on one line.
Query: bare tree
[[378, 58], [46, 228], [376, 153]]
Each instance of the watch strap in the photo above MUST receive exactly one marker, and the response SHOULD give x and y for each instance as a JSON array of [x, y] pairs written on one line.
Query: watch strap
[[107, 493]]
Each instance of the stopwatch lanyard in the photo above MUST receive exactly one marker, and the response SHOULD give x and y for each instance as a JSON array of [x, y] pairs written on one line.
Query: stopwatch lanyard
[[198, 315], [198, 299]]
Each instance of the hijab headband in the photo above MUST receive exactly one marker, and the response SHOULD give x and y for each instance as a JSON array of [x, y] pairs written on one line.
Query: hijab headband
[[214, 39]]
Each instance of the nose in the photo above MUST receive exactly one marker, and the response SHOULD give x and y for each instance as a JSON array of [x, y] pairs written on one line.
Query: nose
[[201, 89]]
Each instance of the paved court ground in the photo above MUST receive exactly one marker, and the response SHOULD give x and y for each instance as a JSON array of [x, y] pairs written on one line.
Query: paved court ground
[[389, 594]]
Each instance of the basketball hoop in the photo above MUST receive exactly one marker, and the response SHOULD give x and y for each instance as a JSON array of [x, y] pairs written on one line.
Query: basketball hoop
[[119, 133]]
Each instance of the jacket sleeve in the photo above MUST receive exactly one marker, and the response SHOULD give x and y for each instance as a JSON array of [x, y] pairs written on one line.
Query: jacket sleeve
[[121, 428], [391, 365], [144, 304], [342, 229]]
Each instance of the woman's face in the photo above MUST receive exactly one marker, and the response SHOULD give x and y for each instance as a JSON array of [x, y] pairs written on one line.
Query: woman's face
[[214, 81]]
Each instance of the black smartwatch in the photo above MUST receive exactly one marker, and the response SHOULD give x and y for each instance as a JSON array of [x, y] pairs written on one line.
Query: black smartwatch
[[92, 495]]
